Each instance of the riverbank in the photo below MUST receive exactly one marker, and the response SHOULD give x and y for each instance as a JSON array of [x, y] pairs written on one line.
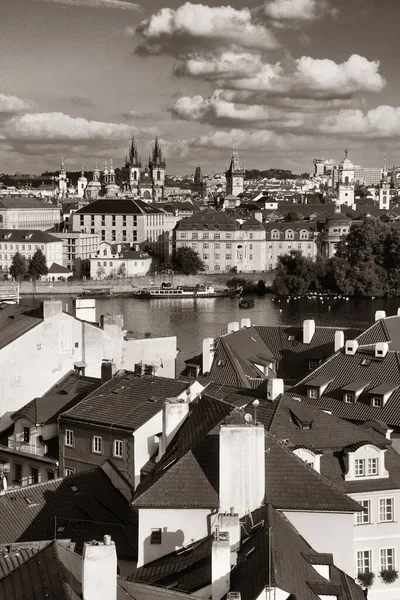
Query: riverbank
[[124, 286]]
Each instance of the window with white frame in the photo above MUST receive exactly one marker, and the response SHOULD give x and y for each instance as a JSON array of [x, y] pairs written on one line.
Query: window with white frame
[[364, 561], [97, 444], [387, 559], [69, 438], [386, 510], [364, 516], [377, 401], [312, 393], [349, 397], [119, 448], [372, 467], [69, 472], [359, 467]]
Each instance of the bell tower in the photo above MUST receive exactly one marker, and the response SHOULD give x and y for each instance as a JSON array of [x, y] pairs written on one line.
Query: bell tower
[[346, 182], [235, 176], [157, 170], [133, 166]]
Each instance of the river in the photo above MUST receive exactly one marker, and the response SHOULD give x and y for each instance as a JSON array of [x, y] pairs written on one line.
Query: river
[[191, 321]]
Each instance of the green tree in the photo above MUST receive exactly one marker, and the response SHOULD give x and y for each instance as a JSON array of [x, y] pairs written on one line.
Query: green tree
[[187, 261], [18, 267], [37, 265]]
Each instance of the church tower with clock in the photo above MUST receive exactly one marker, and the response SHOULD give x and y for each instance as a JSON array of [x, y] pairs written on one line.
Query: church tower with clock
[[234, 176]]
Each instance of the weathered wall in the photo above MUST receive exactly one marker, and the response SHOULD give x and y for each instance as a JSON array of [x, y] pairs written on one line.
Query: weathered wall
[[125, 285]]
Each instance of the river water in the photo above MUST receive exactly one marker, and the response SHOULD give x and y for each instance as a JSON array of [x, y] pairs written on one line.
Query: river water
[[191, 320]]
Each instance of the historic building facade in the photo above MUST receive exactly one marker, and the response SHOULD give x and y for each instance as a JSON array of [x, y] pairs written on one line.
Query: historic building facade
[[147, 183]]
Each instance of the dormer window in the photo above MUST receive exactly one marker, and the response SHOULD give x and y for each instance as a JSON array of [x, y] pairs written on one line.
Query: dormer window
[[349, 397], [365, 460], [353, 390], [317, 386], [313, 393], [377, 401], [312, 458]]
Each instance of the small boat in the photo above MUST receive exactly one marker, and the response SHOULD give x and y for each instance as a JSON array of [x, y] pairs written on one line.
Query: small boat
[[243, 303], [96, 293], [197, 292]]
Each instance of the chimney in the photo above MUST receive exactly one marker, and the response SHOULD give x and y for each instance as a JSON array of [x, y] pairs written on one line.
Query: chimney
[[51, 308], [351, 347], [234, 326], [275, 388], [245, 323], [381, 349], [380, 314], [234, 596], [99, 570], [220, 565], [241, 467], [258, 215], [308, 330], [85, 309], [108, 370], [112, 322], [138, 369], [208, 354], [230, 522], [174, 412], [339, 340]]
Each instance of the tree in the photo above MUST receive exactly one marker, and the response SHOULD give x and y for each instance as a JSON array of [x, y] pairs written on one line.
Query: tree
[[37, 265], [294, 274], [18, 266], [365, 240], [121, 270], [100, 272], [292, 216], [187, 261]]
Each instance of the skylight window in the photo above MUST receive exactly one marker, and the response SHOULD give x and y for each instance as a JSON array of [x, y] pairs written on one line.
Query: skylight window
[[365, 362], [290, 338], [28, 500], [74, 488]]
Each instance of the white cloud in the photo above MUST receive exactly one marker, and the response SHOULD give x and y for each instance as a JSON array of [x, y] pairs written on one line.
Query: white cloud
[[226, 65], [59, 127], [263, 140], [192, 26], [285, 12], [377, 123], [118, 4], [12, 104]]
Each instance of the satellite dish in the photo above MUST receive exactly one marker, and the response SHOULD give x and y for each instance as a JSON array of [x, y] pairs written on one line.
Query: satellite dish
[[248, 418]]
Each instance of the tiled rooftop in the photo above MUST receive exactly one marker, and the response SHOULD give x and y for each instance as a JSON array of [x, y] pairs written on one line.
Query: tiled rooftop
[[126, 401], [16, 320], [118, 206]]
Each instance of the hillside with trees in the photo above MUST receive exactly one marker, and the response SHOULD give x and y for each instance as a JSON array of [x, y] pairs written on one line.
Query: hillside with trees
[[274, 174]]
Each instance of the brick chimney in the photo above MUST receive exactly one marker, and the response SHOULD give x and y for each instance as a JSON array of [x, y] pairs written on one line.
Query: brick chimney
[[241, 467], [220, 565], [99, 570], [108, 370], [174, 412]]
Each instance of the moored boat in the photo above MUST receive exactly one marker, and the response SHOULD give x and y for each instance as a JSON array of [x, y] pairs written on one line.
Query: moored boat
[[196, 292], [246, 303]]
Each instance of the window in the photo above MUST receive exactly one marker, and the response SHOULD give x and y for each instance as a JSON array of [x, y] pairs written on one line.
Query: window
[[372, 466], [34, 476], [312, 364], [349, 397], [363, 561], [50, 475], [182, 235], [119, 448], [228, 256], [377, 402], [156, 536], [359, 469], [205, 244], [205, 256], [386, 510], [26, 434], [217, 236], [205, 236], [250, 257], [216, 246], [195, 236], [365, 516], [97, 444], [229, 246], [69, 438], [17, 472], [312, 393], [387, 559], [69, 472]]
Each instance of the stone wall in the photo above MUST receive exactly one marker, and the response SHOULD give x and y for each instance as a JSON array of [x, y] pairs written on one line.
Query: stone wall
[[125, 285]]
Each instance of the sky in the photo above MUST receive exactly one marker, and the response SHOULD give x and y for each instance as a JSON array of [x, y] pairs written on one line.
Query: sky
[[284, 81]]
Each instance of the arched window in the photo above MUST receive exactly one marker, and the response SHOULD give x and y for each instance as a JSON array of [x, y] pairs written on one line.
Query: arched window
[[146, 194], [346, 179], [135, 175], [105, 252], [158, 175], [1, 218]]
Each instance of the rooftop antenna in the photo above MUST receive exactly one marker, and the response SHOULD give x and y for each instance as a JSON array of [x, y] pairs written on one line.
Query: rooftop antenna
[[256, 404]]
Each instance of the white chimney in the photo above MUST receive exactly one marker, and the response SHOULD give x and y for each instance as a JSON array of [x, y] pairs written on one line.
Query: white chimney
[[275, 388], [99, 570], [380, 314], [245, 323], [241, 467], [339, 340], [174, 412], [208, 354], [351, 347], [234, 326], [308, 330], [220, 565], [230, 522], [85, 309], [398, 312], [381, 349]]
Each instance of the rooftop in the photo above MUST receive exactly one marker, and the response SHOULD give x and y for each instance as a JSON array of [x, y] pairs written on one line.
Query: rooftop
[[24, 202], [126, 401], [16, 320], [27, 235], [118, 206]]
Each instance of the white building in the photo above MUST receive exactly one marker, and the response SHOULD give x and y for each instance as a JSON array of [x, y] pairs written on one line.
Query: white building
[[346, 182], [26, 243], [118, 260]]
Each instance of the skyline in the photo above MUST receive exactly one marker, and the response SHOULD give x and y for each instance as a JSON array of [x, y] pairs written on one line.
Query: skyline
[[283, 80]]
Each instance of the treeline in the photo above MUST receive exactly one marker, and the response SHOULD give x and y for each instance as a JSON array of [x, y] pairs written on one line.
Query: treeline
[[273, 174], [367, 263]]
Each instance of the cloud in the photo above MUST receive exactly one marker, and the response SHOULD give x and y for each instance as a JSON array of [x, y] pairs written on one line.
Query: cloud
[[12, 104], [118, 4], [305, 77], [140, 114], [194, 27], [82, 100], [288, 12], [224, 65], [263, 140], [59, 127], [378, 123]]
